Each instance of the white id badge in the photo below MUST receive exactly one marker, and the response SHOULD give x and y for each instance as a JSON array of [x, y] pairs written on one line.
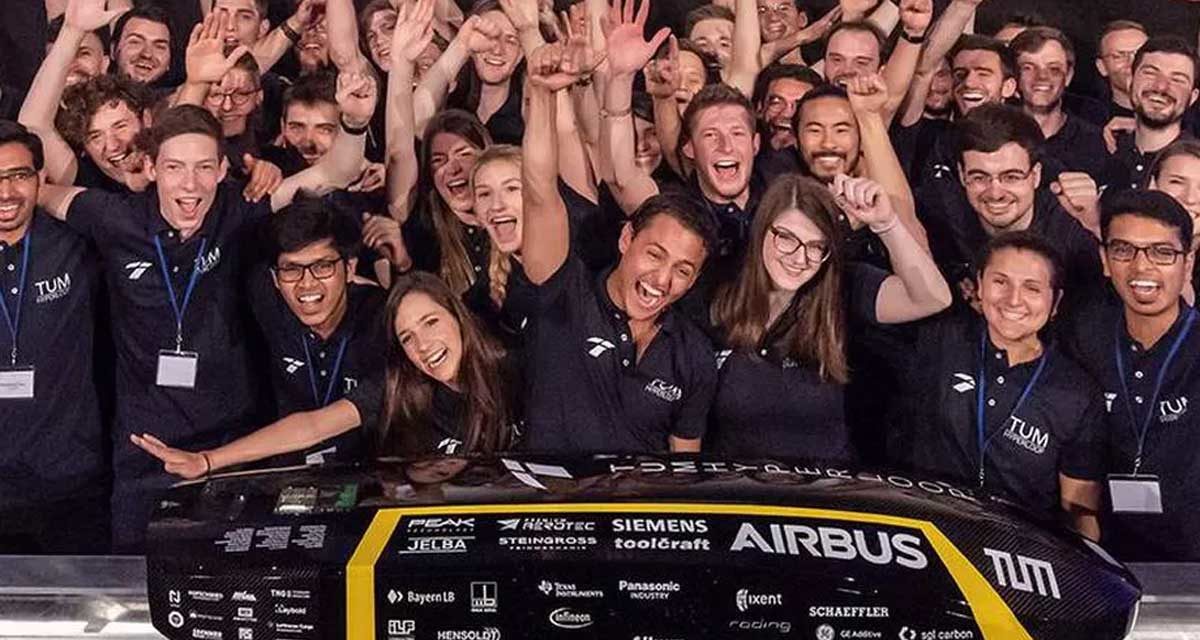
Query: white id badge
[[177, 369], [1135, 494], [16, 383]]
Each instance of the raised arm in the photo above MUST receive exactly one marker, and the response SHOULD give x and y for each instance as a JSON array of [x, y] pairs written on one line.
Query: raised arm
[[916, 289], [747, 43], [771, 52], [662, 82], [868, 99], [946, 32], [413, 32], [45, 94], [574, 162], [478, 34], [205, 60], [343, 36], [628, 52], [356, 96], [295, 432], [272, 47], [915, 17], [524, 16], [547, 239]]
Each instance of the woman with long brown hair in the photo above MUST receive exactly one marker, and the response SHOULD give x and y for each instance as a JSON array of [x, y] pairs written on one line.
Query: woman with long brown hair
[[448, 388], [783, 320]]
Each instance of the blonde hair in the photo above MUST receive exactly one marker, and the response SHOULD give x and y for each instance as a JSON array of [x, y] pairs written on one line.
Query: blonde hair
[[499, 263]]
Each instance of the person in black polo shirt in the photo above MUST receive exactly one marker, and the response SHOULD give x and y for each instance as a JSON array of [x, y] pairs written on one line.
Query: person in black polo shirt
[[52, 467], [1143, 349], [784, 320], [323, 331], [1176, 171], [1045, 67], [777, 93], [1118, 44], [1000, 166], [1164, 86], [992, 402], [613, 366], [449, 388], [174, 259]]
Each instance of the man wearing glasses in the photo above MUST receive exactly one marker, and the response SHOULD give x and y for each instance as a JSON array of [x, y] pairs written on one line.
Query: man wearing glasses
[[52, 464], [1143, 348], [1000, 172], [323, 331], [1119, 42]]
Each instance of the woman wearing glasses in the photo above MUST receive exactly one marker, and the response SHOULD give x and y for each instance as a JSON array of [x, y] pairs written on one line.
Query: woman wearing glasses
[[783, 321], [441, 385]]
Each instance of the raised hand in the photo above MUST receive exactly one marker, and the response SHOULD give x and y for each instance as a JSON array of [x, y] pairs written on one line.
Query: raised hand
[[356, 96], [864, 200], [522, 13], [579, 47], [89, 15], [628, 50], [550, 68], [868, 93], [307, 13], [382, 234], [776, 49], [262, 178], [916, 16], [1119, 124], [373, 176], [1078, 194], [413, 31], [854, 10], [178, 462], [206, 61], [479, 34], [662, 74]]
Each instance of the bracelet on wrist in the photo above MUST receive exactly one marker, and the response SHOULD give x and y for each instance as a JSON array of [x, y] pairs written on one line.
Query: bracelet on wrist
[[288, 31], [904, 35], [207, 466], [352, 130], [605, 113], [585, 81], [886, 228]]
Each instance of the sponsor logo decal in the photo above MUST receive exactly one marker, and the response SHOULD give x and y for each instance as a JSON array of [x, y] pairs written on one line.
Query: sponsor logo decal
[[834, 543], [292, 365], [1026, 435], [599, 346], [778, 626], [648, 590], [744, 600], [965, 383], [486, 633], [845, 611], [484, 597], [663, 390], [52, 289], [568, 618], [137, 269], [567, 590], [1172, 410], [1024, 574]]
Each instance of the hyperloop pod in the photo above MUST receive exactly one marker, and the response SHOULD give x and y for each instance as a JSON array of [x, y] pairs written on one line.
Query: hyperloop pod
[[617, 547]]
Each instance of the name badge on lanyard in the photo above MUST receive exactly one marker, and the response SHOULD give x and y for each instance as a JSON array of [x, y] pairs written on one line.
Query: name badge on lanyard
[[1139, 492], [177, 368], [16, 382], [983, 440]]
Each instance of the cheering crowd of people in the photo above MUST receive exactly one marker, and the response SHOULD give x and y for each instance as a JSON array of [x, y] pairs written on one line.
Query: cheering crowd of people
[[406, 227]]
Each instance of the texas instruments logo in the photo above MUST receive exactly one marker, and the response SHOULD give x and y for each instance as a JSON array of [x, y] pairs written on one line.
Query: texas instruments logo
[[965, 383], [599, 346], [292, 365], [137, 269]]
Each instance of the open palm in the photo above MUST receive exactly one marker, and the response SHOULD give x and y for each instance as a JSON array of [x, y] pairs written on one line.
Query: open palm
[[628, 50]]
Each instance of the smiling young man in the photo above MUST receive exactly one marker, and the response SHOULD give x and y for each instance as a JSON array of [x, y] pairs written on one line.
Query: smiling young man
[[614, 366], [1045, 68], [1142, 349], [1000, 169], [52, 467], [1163, 88], [323, 331], [142, 44], [175, 257], [777, 92]]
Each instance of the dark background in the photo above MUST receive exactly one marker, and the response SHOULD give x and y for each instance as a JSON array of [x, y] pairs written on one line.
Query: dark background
[[22, 33]]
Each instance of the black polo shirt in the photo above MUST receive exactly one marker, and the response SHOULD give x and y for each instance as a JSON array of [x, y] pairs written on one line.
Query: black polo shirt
[[771, 162], [54, 446], [90, 176], [306, 370], [588, 391], [1129, 167], [1078, 146], [768, 404], [1091, 110], [1172, 446], [1057, 429], [222, 406], [923, 148], [510, 320]]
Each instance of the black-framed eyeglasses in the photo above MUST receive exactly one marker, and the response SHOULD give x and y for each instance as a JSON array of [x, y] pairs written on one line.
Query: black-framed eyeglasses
[[239, 98], [320, 270], [1008, 179], [815, 252], [20, 175], [1161, 253]]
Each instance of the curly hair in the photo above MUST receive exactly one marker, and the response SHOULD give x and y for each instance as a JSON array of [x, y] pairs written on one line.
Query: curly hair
[[82, 101]]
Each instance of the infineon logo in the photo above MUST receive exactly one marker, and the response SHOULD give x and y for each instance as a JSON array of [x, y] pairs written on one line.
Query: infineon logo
[[568, 618]]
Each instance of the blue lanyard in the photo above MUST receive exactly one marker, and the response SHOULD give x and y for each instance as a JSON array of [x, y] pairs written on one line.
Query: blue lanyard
[[176, 306], [983, 440], [1158, 382], [13, 321], [333, 375]]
